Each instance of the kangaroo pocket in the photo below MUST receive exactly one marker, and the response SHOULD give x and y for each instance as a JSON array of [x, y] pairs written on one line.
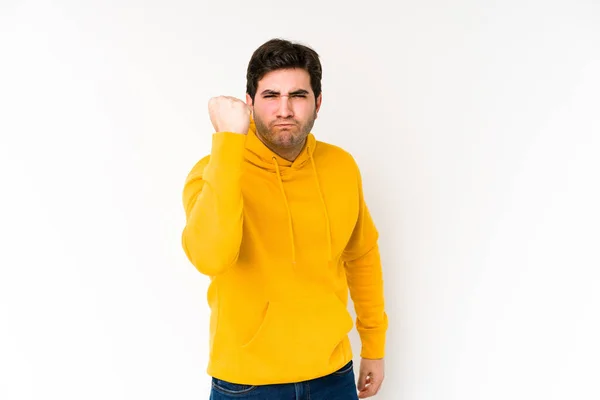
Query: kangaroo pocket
[[299, 334]]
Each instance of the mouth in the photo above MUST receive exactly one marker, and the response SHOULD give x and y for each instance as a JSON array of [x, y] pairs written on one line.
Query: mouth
[[285, 124], [285, 128]]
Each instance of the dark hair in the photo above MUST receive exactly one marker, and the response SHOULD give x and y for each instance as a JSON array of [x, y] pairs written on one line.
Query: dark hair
[[283, 54]]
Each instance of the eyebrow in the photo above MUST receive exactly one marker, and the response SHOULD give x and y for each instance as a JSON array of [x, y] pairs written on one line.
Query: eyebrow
[[275, 92]]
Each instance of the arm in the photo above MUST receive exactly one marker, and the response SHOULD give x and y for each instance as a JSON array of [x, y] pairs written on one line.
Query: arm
[[212, 194], [212, 198], [365, 281]]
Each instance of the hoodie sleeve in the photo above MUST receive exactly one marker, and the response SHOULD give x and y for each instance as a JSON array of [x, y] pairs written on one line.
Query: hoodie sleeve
[[365, 281], [213, 203]]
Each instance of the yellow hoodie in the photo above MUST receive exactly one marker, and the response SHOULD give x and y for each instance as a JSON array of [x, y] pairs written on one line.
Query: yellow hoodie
[[282, 242]]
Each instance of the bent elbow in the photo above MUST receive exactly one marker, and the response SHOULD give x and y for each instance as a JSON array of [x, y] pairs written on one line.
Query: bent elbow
[[208, 259]]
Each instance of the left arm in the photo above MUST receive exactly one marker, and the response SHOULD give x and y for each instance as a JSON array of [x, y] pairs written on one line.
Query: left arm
[[365, 281]]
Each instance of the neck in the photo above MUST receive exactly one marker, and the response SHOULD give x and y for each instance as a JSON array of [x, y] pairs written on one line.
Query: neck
[[289, 154]]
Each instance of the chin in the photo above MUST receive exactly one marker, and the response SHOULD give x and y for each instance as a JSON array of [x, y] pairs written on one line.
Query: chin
[[286, 139]]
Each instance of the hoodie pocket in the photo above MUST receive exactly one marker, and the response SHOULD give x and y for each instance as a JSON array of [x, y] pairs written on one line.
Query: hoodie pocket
[[300, 333]]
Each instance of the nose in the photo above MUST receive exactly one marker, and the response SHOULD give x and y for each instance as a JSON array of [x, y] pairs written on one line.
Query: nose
[[284, 110]]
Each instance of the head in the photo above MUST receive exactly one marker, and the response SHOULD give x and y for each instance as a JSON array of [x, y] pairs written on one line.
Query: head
[[284, 90]]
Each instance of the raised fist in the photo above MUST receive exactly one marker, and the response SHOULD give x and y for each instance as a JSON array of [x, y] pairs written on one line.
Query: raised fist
[[229, 114]]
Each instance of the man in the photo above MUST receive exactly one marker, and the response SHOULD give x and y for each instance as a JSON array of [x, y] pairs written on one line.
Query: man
[[278, 222]]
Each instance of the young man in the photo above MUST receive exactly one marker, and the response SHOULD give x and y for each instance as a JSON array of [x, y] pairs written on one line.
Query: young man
[[278, 222]]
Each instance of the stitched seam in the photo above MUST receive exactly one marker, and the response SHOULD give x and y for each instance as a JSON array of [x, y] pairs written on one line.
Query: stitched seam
[[228, 391], [344, 371]]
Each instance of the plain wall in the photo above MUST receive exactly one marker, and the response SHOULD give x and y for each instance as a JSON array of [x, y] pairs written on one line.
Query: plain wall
[[476, 125]]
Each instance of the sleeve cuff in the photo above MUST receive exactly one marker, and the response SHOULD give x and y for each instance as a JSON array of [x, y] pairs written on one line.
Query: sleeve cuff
[[373, 345]]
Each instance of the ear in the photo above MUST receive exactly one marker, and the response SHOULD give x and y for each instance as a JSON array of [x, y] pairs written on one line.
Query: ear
[[319, 100], [250, 104]]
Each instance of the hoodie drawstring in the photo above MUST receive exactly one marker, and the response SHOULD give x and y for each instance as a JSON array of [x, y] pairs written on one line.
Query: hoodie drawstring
[[287, 206], [329, 245], [289, 213]]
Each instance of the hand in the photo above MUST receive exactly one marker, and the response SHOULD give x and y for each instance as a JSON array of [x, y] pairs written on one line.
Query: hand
[[370, 377], [229, 114]]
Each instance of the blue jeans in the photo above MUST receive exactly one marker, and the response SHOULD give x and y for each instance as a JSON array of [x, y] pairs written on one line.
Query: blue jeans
[[339, 385]]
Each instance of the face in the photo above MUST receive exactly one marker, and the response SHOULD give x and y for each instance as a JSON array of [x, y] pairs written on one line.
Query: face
[[284, 108]]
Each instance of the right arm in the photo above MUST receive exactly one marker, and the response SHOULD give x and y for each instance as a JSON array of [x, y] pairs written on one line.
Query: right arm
[[212, 194]]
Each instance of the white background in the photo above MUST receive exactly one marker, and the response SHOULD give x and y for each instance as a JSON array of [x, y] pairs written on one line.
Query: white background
[[477, 128]]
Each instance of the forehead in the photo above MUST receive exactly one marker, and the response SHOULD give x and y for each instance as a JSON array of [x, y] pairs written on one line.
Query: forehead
[[285, 80]]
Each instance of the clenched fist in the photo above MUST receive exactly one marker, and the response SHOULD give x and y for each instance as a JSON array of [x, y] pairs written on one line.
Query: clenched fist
[[229, 114]]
